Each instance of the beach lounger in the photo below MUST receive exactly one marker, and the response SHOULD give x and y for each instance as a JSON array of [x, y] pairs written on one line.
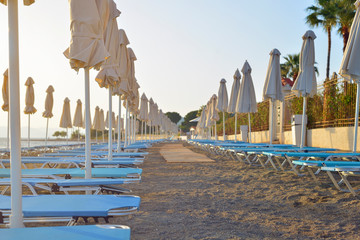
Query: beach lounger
[[68, 173], [98, 154], [69, 208], [74, 162], [344, 171], [88, 232], [97, 185]]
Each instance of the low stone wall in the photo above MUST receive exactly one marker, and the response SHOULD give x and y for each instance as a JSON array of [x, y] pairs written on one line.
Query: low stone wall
[[339, 137]]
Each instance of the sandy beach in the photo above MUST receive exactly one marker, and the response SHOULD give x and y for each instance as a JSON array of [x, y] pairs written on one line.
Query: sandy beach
[[227, 199]]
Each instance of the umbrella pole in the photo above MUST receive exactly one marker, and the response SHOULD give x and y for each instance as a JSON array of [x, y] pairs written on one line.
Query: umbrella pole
[[103, 135], [356, 115], [87, 126], [67, 137], [28, 130], [303, 124], [7, 143], [142, 130], [126, 123], [47, 129], [224, 126], [110, 126], [96, 136], [78, 134], [119, 125], [16, 217], [145, 129], [271, 121], [235, 126], [249, 128]]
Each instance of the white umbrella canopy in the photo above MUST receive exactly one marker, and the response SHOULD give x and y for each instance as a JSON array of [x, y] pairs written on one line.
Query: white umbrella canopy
[[234, 92], [88, 23], [222, 102], [144, 113], [107, 75], [96, 123], [65, 120], [349, 67], [5, 92], [49, 102], [246, 102], [123, 62], [78, 118], [273, 87], [305, 83], [29, 97], [88, 19], [29, 102], [233, 97]]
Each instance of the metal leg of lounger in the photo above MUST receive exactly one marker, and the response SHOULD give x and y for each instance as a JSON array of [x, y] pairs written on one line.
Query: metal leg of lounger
[[313, 175], [331, 176], [278, 162], [271, 162], [344, 178], [293, 167], [261, 162]]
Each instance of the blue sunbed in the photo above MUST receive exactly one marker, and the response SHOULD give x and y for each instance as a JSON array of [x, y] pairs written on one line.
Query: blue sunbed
[[89, 232]]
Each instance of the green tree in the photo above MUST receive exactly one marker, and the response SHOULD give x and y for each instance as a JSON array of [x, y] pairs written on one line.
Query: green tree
[[173, 116], [291, 67], [186, 125], [324, 14], [56, 134], [345, 16], [63, 134]]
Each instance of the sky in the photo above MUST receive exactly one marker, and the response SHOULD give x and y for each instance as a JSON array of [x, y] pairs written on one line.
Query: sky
[[184, 48]]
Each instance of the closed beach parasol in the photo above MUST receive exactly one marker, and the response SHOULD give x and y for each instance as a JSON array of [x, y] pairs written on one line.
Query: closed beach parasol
[[246, 102], [144, 113], [16, 218], [214, 115], [305, 83], [87, 50], [78, 118], [222, 102], [102, 123], [272, 88], [5, 106], [29, 102], [350, 68], [96, 122], [65, 120], [49, 102], [234, 95]]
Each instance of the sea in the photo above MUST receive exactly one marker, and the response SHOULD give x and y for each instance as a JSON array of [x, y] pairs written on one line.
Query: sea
[[38, 143]]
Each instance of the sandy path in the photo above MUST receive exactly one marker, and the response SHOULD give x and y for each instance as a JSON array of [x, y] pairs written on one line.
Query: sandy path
[[230, 200]]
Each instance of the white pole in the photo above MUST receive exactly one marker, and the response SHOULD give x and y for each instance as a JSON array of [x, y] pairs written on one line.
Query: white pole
[[87, 125], [119, 127], [47, 130], [145, 129], [235, 126], [271, 121], [303, 125], [249, 128], [78, 134], [126, 124], [96, 136], [142, 130], [28, 130], [8, 138], [67, 136], [224, 126], [16, 217], [110, 126], [356, 124]]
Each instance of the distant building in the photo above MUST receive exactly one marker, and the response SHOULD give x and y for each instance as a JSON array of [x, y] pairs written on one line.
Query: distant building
[[287, 84]]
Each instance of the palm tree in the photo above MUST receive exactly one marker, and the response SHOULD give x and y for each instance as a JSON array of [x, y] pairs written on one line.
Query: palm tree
[[345, 15], [290, 68], [324, 14]]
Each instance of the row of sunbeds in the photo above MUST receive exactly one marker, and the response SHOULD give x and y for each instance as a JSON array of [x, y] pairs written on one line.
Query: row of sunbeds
[[284, 157], [59, 174]]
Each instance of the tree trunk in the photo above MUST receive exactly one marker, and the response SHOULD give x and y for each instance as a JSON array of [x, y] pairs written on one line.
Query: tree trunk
[[328, 57], [345, 33]]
